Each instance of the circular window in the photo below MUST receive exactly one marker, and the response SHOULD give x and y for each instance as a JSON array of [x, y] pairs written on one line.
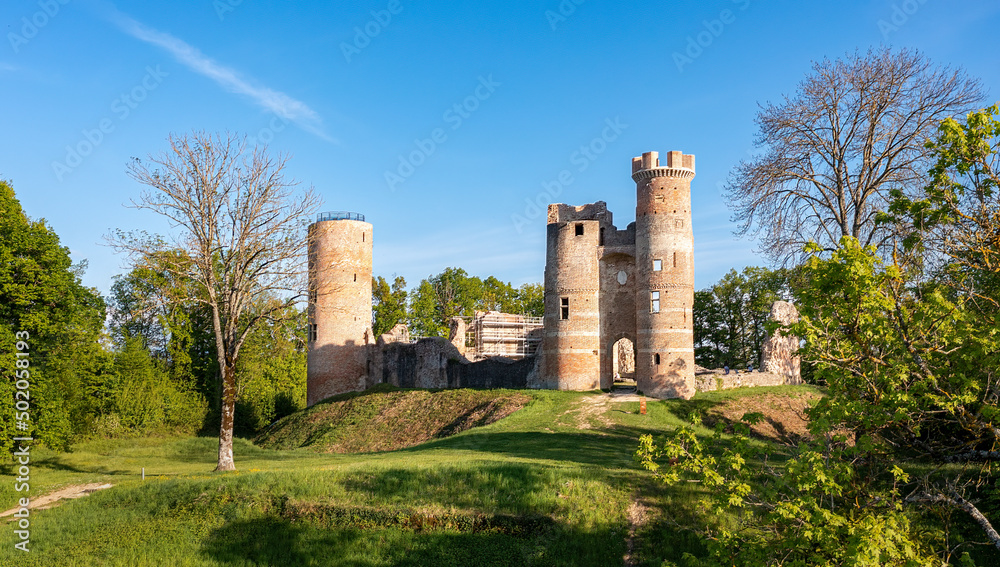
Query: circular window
[[622, 277]]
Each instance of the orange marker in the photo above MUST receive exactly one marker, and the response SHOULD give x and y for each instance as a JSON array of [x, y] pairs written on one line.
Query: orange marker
[[642, 405]]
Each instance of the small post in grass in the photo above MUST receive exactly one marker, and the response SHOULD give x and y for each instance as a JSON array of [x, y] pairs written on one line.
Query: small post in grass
[[642, 405], [143, 473]]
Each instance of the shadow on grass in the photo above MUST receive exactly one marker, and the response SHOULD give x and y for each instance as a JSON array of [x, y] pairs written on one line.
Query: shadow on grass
[[278, 542], [582, 448], [58, 464], [494, 488]]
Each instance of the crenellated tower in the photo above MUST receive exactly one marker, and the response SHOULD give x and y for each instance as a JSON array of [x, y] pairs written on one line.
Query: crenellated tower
[[664, 256]]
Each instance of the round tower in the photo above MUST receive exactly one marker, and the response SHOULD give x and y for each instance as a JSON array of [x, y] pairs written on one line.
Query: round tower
[[340, 304], [664, 246], [571, 344]]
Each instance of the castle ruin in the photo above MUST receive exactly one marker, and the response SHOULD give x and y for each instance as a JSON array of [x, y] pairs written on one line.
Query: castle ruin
[[602, 285]]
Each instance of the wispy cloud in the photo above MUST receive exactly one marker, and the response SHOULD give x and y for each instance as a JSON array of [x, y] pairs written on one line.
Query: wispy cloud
[[4, 66], [228, 78]]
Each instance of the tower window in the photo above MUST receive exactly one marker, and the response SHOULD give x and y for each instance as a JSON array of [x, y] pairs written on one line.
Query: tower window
[[564, 308], [600, 237], [654, 302], [312, 296], [362, 237], [657, 265], [675, 259], [656, 359], [579, 229], [313, 333], [355, 277]]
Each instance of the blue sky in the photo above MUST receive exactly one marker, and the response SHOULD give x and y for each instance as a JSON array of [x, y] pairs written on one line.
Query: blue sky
[[478, 108]]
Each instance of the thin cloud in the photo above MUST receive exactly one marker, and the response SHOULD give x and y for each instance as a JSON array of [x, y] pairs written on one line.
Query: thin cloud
[[4, 66], [277, 102]]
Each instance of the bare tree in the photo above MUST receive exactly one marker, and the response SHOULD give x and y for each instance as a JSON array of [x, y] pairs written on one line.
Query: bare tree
[[241, 230], [854, 131]]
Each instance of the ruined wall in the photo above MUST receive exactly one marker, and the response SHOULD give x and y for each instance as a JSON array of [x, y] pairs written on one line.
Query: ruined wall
[[778, 351], [340, 289], [709, 382], [436, 363], [664, 244]]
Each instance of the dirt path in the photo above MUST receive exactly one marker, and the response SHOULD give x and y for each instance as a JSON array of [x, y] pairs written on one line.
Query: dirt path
[[592, 408], [52, 499], [638, 515]]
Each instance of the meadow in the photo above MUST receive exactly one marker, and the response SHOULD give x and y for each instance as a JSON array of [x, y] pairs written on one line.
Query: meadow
[[554, 483]]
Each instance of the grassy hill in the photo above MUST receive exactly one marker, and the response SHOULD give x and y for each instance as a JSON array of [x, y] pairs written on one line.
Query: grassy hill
[[553, 483], [386, 418]]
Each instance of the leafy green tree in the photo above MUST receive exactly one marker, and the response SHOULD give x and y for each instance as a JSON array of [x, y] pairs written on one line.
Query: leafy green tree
[[154, 306], [531, 300], [908, 440], [42, 298], [710, 337], [453, 293], [388, 304], [271, 373], [730, 316], [423, 318], [801, 506], [909, 370], [437, 299], [495, 295]]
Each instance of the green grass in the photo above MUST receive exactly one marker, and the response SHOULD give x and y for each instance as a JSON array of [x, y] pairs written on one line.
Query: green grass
[[532, 488]]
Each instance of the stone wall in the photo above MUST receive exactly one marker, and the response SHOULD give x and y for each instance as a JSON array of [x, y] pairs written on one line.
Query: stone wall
[[717, 380], [436, 363]]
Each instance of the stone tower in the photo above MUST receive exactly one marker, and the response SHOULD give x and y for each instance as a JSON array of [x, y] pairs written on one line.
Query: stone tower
[[604, 285], [340, 304], [664, 255], [571, 340]]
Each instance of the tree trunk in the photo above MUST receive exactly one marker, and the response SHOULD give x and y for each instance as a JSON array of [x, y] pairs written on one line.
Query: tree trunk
[[226, 462]]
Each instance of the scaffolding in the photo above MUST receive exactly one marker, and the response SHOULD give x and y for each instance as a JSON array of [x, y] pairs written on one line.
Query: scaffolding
[[493, 333]]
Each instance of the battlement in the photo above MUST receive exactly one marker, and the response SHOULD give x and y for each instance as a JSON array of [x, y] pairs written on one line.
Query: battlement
[[561, 212], [648, 166]]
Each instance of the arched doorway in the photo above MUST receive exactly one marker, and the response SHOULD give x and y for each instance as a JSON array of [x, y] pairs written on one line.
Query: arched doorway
[[623, 362]]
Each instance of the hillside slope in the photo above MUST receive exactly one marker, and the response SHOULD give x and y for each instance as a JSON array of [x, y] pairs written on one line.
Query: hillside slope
[[385, 419]]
